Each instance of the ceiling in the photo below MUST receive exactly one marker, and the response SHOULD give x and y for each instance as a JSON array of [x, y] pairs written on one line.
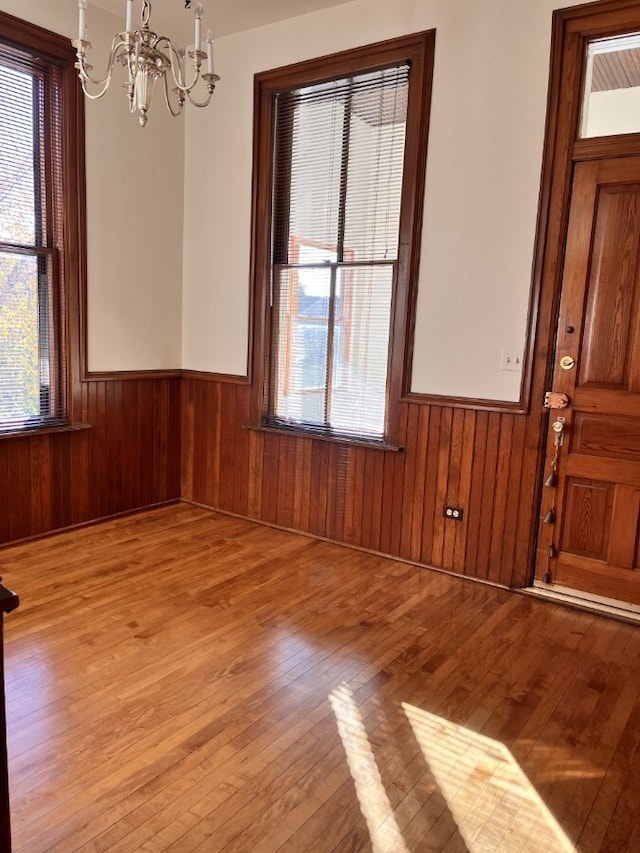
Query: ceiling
[[220, 16]]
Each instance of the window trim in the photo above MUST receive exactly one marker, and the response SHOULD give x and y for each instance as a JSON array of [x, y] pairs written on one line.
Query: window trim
[[418, 50], [70, 303]]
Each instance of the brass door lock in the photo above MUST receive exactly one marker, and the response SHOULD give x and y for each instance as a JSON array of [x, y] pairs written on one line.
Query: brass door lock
[[555, 400], [558, 428]]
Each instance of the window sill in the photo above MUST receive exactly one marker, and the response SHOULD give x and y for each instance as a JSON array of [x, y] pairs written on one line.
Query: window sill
[[45, 430], [318, 436]]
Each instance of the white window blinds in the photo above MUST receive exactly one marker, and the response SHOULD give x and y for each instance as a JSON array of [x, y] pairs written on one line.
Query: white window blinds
[[31, 361], [338, 170]]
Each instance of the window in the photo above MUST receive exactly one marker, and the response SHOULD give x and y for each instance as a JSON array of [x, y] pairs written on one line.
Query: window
[[611, 97], [40, 180], [339, 171]]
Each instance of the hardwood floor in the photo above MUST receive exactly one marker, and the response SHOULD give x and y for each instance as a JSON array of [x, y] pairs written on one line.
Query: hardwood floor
[[180, 680]]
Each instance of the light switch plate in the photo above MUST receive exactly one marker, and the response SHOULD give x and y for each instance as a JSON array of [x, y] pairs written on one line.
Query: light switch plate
[[510, 359]]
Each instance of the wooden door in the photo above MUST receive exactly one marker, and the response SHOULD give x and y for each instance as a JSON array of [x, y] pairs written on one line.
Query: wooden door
[[592, 546]]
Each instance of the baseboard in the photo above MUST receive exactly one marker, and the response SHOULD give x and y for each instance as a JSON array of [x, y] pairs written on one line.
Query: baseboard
[[46, 533], [359, 548]]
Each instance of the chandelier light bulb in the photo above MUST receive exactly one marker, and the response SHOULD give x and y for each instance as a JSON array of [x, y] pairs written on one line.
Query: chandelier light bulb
[[209, 52], [128, 26], [198, 12], [82, 19]]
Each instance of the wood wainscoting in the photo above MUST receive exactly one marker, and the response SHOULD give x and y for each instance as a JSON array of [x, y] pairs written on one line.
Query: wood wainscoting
[[128, 458], [391, 502]]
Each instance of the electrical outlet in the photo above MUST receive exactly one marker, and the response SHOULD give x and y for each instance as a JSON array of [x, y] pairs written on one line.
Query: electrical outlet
[[510, 359], [455, 513]]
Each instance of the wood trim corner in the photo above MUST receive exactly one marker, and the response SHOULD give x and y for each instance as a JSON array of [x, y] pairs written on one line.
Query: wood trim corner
[[208, 376], [130, 375], [474, 403]]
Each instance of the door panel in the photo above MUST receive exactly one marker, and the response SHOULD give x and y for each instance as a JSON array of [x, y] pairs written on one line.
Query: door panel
[[614, 437], [611, 311], [587, 518], [590, 542]]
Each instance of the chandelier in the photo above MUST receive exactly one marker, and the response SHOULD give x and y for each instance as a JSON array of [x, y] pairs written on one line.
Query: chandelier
[[147, 57]]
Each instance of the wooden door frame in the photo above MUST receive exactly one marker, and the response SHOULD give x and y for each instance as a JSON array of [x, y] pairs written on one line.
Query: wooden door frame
[[571, 30]]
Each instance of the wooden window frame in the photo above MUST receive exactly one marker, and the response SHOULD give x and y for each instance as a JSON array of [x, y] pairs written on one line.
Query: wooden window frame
[[418, 51], [66, 243]]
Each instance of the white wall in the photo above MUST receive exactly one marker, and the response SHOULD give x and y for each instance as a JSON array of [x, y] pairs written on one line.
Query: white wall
[[485, 153], [134, 211], [613, 111], [483, 176]]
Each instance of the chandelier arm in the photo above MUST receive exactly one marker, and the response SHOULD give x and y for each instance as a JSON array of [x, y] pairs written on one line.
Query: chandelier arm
[[176, 63], [116, 49], [200, 103], [175, 58], [175, 111]]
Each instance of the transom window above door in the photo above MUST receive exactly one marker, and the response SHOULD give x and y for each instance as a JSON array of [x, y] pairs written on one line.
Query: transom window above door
[[611, 99]]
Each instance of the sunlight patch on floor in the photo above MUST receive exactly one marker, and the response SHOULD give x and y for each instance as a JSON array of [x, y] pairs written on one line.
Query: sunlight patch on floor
[[493, 803], [374, 803]]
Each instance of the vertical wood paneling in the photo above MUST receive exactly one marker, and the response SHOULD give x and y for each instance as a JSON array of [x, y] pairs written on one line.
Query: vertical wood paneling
[[217, 412], [241, 482], [489, 478], [442, 477], [453, 488], [354, 495], [271, 464], [319, 488], [430, 485], [187, 436], [113, 447], [380, 499], [201, 473], [18, 486], [388, 501], [374, 479], [509, 536], [397, 486], [364, 531], [60, 495], [336, 489], [97, 454], [227, 445], [40, 483], [475, 498], [286, 482], [255, 475], [129, 458], [500, 498], [411, 462], [464, 490], [302, 497], [145, 439], [415, 549]]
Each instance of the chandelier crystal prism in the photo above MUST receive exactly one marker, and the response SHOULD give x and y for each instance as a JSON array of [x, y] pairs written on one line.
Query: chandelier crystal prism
[[147, 57]]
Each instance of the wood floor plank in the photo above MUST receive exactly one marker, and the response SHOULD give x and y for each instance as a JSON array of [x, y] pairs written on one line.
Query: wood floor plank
[[181, 680]]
